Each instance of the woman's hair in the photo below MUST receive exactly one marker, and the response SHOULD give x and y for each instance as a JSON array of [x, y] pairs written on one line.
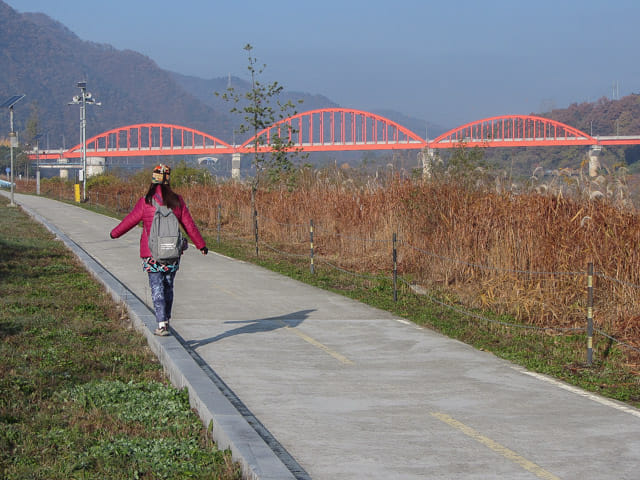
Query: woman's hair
[[169, 197]]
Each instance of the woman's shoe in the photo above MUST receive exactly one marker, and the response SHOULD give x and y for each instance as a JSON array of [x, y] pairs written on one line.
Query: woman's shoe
[[162, 332]]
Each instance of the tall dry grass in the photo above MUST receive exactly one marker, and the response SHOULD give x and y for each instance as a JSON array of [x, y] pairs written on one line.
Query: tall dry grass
[[525, 255]]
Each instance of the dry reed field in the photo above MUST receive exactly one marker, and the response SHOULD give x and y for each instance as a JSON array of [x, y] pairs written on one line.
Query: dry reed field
[[521, 255]]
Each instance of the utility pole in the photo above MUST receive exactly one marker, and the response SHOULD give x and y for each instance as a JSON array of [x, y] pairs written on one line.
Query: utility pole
[[83, 99], [13, 138], [37, 139]]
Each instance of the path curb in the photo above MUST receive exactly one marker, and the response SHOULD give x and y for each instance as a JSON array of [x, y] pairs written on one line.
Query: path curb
[[229, 429]]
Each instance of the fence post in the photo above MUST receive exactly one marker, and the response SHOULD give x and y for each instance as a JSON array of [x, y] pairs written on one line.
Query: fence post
[[395, 269], [219, 217], [311, 243], [255, 228], [590, 313]]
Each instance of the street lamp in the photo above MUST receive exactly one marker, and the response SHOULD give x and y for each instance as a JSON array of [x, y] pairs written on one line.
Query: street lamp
[[37, 139], [13, 139], [83, 99]]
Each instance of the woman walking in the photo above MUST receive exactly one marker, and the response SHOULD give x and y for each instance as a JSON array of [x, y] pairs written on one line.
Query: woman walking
[[161, 274]]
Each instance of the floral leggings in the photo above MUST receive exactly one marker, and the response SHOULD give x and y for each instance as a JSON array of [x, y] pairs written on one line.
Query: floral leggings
[[161, 284], [161, 277]]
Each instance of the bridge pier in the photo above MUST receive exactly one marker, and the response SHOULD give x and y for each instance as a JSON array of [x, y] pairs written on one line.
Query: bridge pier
[[235, 165], [64, 172], [594, 160], [95, 166], [427, 156]]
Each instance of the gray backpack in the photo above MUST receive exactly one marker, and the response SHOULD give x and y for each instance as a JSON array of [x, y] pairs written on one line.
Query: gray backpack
[[165, 237]]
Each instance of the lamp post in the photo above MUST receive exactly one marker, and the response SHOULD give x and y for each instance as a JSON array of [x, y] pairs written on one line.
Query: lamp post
[[13, 139], [83, 99], [37, 139]]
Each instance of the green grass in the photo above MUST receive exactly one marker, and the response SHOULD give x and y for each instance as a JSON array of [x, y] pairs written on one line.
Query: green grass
[[82, 396]]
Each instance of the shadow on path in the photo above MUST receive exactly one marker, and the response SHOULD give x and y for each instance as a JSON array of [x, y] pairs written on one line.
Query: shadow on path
[[260, 325]]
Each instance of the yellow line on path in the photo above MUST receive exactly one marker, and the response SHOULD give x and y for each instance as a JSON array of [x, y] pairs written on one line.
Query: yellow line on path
[[306, 338], [228, 292], [315, 343], [496, 447]]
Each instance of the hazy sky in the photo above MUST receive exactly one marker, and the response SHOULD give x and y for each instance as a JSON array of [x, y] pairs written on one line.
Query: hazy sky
[[449, 62]]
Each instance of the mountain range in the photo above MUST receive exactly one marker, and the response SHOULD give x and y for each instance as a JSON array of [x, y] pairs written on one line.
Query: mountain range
[[43, 59]]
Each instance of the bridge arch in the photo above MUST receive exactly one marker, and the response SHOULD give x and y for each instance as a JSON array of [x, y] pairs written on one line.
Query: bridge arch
[[333, 129], [151, 139], [513, 131]]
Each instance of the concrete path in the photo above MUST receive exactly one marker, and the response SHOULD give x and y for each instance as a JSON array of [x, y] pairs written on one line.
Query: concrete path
[[339, 390]]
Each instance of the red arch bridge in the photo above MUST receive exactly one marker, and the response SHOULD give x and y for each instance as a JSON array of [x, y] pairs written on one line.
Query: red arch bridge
[[331, 129]]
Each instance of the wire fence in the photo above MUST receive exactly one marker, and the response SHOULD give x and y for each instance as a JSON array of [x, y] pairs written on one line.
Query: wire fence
[[304, 242]]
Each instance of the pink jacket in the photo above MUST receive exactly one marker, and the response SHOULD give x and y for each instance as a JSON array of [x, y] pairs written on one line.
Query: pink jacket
[[145, 212]]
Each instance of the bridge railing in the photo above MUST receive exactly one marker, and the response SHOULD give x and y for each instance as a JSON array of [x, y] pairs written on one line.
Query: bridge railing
[[337, 129]]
